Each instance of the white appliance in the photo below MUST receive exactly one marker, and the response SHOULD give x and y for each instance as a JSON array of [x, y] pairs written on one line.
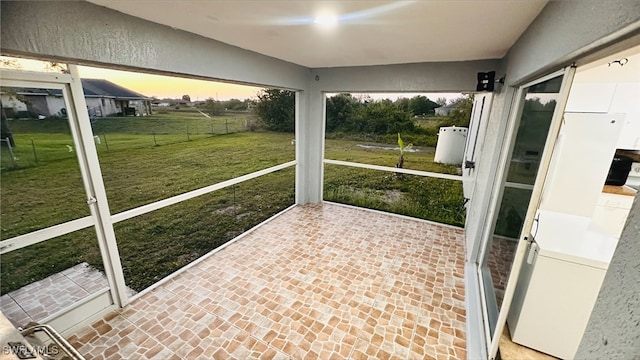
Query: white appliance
[[580, 163], [612, 211], [634, 176], [559, 283]]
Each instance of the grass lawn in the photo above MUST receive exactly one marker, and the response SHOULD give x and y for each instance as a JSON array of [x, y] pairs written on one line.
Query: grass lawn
[[145, 159]]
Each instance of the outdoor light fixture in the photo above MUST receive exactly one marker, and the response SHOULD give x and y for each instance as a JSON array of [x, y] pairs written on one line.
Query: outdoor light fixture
[[487, 81]]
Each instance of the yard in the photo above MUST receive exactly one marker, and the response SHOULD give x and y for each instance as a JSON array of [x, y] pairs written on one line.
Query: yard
[[145, 159]]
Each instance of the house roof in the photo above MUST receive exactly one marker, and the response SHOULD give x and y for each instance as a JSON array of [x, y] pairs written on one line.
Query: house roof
[[96, 88], [105, 88], [327, 33]]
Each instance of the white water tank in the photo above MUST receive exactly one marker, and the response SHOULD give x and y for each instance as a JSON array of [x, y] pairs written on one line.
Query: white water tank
[[450, 146]]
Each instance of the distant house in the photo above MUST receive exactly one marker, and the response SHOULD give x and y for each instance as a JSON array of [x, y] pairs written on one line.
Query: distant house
[[444, 110], [103, 98]]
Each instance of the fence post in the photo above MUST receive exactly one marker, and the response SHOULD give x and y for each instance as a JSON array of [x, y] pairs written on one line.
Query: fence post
[[154, 139], [35, 155], [226, 125], [105, 141], [13, 158], [188, 139]]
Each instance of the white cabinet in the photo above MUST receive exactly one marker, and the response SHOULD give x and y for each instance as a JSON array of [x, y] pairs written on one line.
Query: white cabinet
[[590, 97], [580, 162], [611, 212], [610, 98], [559, 285]]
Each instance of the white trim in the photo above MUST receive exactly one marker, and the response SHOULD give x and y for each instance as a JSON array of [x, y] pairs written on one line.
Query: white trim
[[543, 78], [403, 217], [94, 186], [299, 104], [205, 256], [536, 196], [82, 325], [393, 169], [128, 214], [72, 307], [476, 335], [484, 307], [35, 77], [33, 85], [79, 314], [518, 185], [503, 162], [34, 237], [517, 106], [323, 143]]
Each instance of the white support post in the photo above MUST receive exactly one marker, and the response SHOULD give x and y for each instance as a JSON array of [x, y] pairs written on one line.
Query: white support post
[[98, 196], [310, 120]]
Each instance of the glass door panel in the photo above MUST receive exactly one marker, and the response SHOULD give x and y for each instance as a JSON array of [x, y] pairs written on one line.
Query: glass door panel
[[49, 253], [43, 279], [536, 107], [41, 180]]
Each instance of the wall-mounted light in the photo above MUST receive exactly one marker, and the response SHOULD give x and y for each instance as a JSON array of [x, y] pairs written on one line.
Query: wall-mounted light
[[487, 81]]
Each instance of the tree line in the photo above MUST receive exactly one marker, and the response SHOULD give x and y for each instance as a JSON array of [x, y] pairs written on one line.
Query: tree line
[[350, 115]]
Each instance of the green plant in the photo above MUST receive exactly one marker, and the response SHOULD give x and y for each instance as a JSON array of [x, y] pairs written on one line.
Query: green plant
[[403, 148]]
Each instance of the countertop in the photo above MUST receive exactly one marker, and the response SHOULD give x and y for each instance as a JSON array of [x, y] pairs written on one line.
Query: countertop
[[619, 190], [573, 238]]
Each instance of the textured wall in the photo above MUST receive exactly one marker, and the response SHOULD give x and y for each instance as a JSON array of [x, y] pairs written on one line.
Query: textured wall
[[613, 331], [565, 30], [89, 34], [419, 77]]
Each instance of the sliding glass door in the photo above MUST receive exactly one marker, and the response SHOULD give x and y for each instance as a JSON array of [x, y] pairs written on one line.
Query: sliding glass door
[[532, 128]]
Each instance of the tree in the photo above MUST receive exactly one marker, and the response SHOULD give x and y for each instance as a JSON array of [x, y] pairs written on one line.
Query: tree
[[212, 107], [276, 109], [460, 115], [235, 104], [402, 104], [441, 101], [421, 105], [340, 110], [186, 98], [382, 117]]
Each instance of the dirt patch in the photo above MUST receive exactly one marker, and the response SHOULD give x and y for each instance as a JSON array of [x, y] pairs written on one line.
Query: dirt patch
[[229, 210]]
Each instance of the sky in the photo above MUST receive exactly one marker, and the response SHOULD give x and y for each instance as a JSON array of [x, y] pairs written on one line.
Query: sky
[[171, 87], [161, 86]]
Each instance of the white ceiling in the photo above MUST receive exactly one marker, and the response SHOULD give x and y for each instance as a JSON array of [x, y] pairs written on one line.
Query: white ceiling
[[366, 32]]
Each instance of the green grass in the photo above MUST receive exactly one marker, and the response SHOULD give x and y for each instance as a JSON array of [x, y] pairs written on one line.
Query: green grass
[[145, 159], [431, 122], [432, 199], [134, 172], [349, 150]]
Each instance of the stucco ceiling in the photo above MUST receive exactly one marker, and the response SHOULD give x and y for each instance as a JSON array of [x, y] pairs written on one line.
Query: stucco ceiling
[[349, 33]]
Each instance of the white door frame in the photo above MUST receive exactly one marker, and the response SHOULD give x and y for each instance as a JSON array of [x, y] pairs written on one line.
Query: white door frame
[[514, 117], [79, 123]]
